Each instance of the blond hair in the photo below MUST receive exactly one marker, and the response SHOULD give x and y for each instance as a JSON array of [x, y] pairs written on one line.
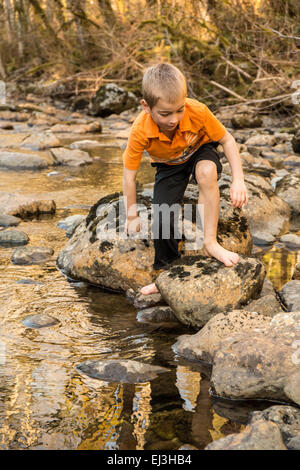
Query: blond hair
[[163, 81]]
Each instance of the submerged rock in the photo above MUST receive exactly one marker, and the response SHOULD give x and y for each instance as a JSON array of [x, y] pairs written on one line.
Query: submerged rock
[[31, 255], [120, 371], [259, 364], [22, 161], [162, 314], [64, 156], [70, 223], [39, 321], [199, 288]]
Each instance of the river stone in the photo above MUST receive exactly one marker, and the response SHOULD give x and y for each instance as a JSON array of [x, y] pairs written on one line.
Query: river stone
[[287, 419], [9, 221], [39, 321], [296, 141], [41, 141], [261, 140], [70, 223], [64, 156], [203, 345], [12, 140], [147, 301], [291, 240], [110, 99], [120, 371], [292, 387], [22, 161], [261, 435], [13, 237], [31, 255], [266, 212], [288, 189], [296, 273], [192, 289], [258, 364], [290, 295], [100, 253], [266, 305], [23, 206], [77, 128], [162, 314], [87, 144], [242, 120]]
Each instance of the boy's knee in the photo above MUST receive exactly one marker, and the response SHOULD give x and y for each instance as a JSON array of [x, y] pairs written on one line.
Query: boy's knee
[[206, 172]]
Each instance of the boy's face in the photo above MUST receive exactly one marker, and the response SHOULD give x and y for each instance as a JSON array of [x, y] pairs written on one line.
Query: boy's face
[[166, 115]]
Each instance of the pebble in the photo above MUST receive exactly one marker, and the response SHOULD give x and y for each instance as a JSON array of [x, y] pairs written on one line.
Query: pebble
[[39, 321]]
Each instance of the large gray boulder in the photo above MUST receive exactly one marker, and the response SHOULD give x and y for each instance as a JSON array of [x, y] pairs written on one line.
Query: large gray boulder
[[110, 99], [259, 364], [288, 189]]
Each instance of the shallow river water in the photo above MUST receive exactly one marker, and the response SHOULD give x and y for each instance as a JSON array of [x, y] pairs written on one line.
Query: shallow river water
[[45, 403]]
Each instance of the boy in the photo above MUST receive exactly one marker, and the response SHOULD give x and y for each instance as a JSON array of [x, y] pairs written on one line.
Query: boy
[[180, 135]]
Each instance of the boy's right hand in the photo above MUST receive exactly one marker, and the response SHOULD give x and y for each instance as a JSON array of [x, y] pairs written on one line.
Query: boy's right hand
[[132, 225]]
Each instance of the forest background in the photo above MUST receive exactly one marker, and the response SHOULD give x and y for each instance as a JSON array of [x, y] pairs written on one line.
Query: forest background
[[231, 51]]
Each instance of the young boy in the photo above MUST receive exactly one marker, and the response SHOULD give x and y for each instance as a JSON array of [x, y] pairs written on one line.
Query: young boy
[[180, 136]]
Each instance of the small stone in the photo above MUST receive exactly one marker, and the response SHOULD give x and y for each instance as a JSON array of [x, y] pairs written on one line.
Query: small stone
[[290, 295], [291, 240], [13, 237], [9, 221], [39, 321], [71, 223], [69, 157], [31, 255], [157, 315]]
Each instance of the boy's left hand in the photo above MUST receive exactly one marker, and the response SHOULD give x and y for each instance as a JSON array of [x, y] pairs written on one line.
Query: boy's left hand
[[238, 193]]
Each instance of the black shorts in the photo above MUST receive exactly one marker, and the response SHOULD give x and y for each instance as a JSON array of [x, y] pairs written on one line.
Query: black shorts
[[205, 152]]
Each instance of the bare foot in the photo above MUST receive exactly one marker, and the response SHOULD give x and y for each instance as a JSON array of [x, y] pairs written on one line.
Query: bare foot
[[214, 249], [150, 289]]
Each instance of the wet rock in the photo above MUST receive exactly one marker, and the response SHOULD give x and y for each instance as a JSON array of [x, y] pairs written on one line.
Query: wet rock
[[86, 145], [291, 240], [296, 273], [77, 128], [267, 305], [110, 99], [39, 321], [268, 288], [31, 255], [25, 206], [99, 252], [29, 281], [259, 436], [22, 161], [9, 221], [187, 447], [244, 120], [192, 289], [41, 141], [120, 371], [156, 315], [263, 238], [71, 223], [13, 237], [288, 189], [261, 140], [146, 301], [258, 364], [266, 213], [203, 345], [69, 157], [287, 418], [290, 295]]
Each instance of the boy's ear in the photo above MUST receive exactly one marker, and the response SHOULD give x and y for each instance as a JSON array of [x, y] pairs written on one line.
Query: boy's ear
[[145, 106]]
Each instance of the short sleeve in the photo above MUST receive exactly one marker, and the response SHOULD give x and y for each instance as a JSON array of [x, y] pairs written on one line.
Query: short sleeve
[[213, 127], [136, 144]]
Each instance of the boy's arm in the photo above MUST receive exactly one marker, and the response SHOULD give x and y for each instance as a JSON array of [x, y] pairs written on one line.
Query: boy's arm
[[238, 190], [129, 192]]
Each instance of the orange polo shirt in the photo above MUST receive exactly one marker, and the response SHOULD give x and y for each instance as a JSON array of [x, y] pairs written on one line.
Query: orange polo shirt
[[197, 127]]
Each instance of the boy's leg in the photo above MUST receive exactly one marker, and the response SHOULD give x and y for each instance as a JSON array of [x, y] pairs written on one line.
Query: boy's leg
[[170, 184], [209, 195]]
